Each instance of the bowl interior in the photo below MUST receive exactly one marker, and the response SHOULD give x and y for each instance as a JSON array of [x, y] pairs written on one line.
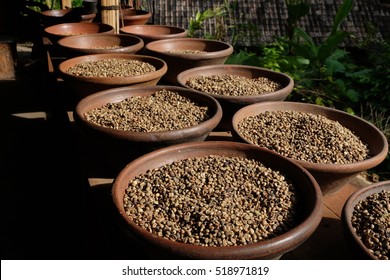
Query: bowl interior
[[159, 64], [97, 42], [78, 28], [368, 133], [249, 72], [310, 214], [348, 210], [212, 47], [161, 31]]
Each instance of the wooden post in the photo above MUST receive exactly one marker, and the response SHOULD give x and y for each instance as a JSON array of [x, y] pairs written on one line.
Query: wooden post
[[7, 58], [110, 13], [66, 4]]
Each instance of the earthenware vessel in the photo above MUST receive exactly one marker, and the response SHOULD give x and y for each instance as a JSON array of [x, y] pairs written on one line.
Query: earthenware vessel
[[150, 32], [273, 248], [330, 177], [231, 104]]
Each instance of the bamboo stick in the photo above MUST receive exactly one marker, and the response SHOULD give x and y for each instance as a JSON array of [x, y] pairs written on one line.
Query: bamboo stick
[[110, 13], [66, 4]]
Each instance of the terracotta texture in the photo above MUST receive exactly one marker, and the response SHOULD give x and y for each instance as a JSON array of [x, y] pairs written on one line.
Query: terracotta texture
[[330, 177], [58, 31], [355, 243], [132, 16], [149, 32], [231, 104], [84, 86], [273, 248], [89, 43], [121, 147], [216, 53]]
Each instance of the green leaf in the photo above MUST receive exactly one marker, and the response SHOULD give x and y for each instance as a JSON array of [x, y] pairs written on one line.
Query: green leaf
[[341, 14], [353, 95], [296, 11], [333, 66], [331, 43]]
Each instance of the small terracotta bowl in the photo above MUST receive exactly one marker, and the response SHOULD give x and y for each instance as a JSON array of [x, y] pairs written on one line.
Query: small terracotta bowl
[[231, 104], [216, 53], [53, 17], [123, 146], [272, 248], [100, 43], [356, 244], [58, 31], [84, 86], [131, 16], [149, 32], [330, 177]]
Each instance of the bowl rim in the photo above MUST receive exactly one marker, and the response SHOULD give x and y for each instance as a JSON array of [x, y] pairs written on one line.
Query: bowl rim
[[181, 31], [287, 89], [275, 246], [63, 41], [320, 167], [63, 66], [349, 205], [226, 51], [119, 93]]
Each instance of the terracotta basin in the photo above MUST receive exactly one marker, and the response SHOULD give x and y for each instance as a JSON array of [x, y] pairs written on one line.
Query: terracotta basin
[[216, 53], [231, 104], [53, 17], [149, 33], [132, 16], [100, 43], [58, 31], [330, 177], [84, 86], [119, 146], [272, 248], [355, 242]]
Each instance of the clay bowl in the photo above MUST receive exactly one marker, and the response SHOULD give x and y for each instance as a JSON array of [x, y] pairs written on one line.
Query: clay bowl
[[58, 31], [132, 16], [120, 147], [330, 177], [100, 43], [83, 86], [53, 17], [356, 244], [158, 247], [149, 33], [231, 104], [216, 53]]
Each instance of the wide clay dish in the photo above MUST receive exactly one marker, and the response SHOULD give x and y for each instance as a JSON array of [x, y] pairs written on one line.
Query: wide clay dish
[[100, 43], [231, 104], [58, 31], [355, 242], [330, 177], [272, 248], [130, 16], [151, 32], [216, 52], [84, 86], [123, 146], [53, 17]]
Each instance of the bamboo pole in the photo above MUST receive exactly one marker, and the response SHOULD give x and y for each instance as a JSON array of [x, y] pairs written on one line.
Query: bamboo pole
[[110, 13], [66, 4]]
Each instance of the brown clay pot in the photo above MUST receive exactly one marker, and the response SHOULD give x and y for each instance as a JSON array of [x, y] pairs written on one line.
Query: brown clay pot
[[273, 248], [216, 53], [53, 17], [84, 86], [58, 31], [100, 43], [231, 104], [132, 16], [355, 242], [120, 147], [330, 177], [149, 33]]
